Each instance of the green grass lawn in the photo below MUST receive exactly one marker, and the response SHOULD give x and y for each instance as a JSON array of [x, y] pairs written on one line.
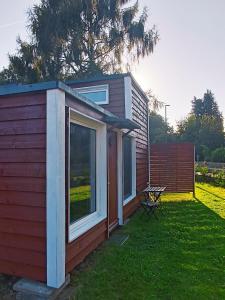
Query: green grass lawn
[[180, 256], [80, 201]]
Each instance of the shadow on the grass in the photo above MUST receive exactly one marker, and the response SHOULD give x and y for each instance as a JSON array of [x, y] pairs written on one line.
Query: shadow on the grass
[[178, 256]]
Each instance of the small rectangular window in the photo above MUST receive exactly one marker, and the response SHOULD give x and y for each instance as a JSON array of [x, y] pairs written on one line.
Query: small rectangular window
[[98, 97], [82, 172], [97, 94]]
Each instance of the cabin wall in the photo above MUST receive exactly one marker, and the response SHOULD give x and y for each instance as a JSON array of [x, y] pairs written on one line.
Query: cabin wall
[[116, 94], [140, 116], [77, 250], [22, 185]]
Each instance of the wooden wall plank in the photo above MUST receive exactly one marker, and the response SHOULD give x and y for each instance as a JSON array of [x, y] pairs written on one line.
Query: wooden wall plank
[[172, 165], [140, 116], [77, 250], [22, 185]]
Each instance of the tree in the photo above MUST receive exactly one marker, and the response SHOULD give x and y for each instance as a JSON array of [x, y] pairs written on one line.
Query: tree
[[78, 38], [206, 106], [197, 107], [154, 103], [206, 131], [218, 155], [159, 131], [204, 126], [23, 67]]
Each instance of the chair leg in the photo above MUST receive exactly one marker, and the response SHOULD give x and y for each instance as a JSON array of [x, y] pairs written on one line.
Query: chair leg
[[143, 211], [155, 215], [152, 212]]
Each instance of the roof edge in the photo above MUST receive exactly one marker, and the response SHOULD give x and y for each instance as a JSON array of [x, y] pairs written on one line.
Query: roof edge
[[13, 89], [98, 78]]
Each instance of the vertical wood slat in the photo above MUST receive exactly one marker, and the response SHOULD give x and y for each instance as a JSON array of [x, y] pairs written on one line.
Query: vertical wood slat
[[172, 165]]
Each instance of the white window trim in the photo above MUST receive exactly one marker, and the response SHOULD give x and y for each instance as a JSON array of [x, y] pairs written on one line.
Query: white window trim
[[134, 193], [83, 225], [93, 89]]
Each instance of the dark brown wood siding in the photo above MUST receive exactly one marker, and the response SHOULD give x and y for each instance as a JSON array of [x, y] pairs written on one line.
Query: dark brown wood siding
[[77, 250], [172, 165], [84, 245], [131, 207], [140, 116], [23, 185], [116, 94]]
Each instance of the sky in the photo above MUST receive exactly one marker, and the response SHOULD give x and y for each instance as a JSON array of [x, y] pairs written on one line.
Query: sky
[[188, 59]]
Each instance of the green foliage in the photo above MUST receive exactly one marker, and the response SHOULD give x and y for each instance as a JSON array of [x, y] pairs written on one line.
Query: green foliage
[[218, 155], [206, 131], [203, 170], [159, 131], [206, 106], [203, 127], [154, 103], [205, 153], [78, 38], [212, 176], [220, 178]]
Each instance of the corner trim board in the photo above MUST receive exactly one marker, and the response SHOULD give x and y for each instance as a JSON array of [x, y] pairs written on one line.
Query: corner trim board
[[55, 196], [128, 97]]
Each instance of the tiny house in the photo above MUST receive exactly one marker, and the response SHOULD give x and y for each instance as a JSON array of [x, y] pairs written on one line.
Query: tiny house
[[72, 157]]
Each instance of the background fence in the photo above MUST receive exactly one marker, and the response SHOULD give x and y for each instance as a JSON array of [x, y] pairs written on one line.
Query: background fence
[[173, 165], [212, 165]]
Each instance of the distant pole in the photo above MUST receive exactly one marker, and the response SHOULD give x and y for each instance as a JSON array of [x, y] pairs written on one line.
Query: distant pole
[[166, 105]]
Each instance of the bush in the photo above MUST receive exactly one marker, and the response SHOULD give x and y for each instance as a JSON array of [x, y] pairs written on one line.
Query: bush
[[216, 177], [218, 155], [220, 178], [202, 170]]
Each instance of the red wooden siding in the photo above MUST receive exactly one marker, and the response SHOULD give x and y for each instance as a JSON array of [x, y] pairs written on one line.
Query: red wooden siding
[[22, 185], [116, 94], [172, 165], [131, 207], [140, 116], [84, 245]]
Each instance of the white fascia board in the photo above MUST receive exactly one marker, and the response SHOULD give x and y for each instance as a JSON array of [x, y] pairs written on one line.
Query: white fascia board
[[55, 196], [128, 97]]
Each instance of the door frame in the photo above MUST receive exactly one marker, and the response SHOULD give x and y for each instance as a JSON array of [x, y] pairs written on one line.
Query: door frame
[[120, 175], [113, 225]]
